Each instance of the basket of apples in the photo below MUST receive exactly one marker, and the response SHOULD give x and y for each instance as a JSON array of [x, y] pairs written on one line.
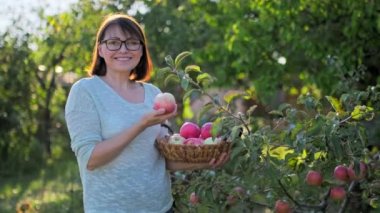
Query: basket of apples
[[193, 144]]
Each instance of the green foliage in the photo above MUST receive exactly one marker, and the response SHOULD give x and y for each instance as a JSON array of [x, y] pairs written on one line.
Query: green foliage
[[329, 44], [18, 147], [270, 160]]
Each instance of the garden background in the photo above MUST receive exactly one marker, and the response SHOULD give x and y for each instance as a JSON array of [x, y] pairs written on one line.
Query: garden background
[[295, 82]]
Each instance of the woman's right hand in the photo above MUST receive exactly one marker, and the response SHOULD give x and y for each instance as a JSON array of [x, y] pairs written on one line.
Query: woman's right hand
[[157, 117]]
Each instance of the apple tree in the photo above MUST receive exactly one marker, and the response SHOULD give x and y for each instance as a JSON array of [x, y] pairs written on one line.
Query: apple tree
[[288, 161]]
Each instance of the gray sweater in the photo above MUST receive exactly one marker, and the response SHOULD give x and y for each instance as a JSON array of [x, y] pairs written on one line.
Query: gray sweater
[[136, 180]]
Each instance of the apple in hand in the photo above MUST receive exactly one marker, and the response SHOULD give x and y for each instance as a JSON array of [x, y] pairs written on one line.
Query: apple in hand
[[337, 193], [341, 173], [190, 130], [282, 206], [314, 178], [206, 130], [165, 101]]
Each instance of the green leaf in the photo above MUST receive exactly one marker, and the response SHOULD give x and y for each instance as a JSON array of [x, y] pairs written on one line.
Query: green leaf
[[362, 135], [362, 111], [236, 152], [235, 133], [189, 93], [375, 202], [276, 112], [169, 61], [170, 77], [204, 78], [284, 106], [335, 143], [180, 57], [187, 112], [184, 82], [192, 68], [229, 96], [251, 110], [207, 107], [217, 126], [161, 73], [335, 103]]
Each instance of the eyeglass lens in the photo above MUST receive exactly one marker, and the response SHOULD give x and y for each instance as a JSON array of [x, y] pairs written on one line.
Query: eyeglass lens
[[115, 44]]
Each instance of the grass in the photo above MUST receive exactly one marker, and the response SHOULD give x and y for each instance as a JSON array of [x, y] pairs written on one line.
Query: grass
[[55, 187]]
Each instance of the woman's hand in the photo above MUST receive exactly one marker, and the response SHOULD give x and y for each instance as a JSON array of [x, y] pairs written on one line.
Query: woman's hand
[[157, 117], [223, 159], [213, 164]]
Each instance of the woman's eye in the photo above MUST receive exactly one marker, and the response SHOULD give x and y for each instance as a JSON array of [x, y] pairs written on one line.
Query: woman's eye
[[113, 42], [133, 42]]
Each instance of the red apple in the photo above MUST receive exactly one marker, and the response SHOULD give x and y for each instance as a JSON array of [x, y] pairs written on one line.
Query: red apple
[[239, 191], [206, 130], [165, 101], [314, 178], [194, 141], [194, 199], [341, 173], [353, 175], [231, 199], [282, 206], [190, 130], [337, 193]]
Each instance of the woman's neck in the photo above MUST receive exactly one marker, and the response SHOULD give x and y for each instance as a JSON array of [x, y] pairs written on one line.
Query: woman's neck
[[119, 82]]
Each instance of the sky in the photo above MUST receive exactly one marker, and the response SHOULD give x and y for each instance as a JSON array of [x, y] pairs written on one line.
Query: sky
[[26, 10]]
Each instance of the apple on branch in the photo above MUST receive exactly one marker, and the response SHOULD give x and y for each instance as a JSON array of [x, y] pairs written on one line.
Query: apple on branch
[[337, 193], [164, 101], [194, 199], [282, 206], [314, 178], [353, 175], [341, 173]]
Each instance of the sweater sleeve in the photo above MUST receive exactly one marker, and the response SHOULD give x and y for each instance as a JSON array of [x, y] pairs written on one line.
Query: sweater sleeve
[[83, 123]]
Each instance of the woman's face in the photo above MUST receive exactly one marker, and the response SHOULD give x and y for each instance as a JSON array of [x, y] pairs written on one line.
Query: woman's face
[[123, 59]]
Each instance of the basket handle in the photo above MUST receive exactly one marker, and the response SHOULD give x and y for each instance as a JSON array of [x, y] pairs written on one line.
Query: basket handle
[[170, 130]]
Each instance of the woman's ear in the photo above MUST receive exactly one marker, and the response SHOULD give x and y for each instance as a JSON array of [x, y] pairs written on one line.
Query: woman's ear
[[100, 51]]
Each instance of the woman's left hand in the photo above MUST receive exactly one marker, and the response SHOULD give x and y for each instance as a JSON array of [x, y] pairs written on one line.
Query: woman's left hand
[[223, 159]]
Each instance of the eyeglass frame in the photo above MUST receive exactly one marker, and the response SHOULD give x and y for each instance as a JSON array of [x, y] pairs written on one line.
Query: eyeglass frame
[[125, 44]]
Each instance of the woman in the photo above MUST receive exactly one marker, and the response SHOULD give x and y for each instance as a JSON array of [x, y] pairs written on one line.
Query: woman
[[113, 126]]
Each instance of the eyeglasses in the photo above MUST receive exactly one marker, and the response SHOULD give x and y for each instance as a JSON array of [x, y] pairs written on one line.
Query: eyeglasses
[[115, 44]]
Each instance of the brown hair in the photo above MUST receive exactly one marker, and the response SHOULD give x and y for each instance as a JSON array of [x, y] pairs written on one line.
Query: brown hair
[[128, 24]]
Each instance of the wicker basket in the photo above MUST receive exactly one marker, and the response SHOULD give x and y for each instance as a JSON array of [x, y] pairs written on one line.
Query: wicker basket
[[190, 153]]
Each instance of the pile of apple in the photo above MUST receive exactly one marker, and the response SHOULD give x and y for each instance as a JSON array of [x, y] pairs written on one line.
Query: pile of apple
[[190, 133]]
